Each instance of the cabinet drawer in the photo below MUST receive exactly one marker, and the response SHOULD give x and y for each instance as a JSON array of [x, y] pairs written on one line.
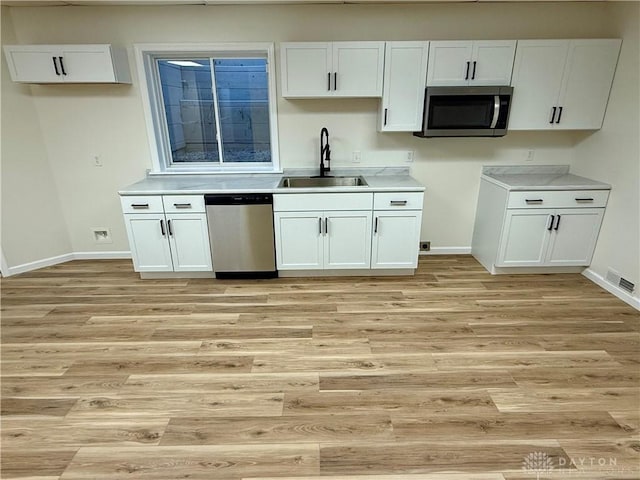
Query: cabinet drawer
[[558, 199], [398, 201], [322, 201], [141, 204], [183, 203]]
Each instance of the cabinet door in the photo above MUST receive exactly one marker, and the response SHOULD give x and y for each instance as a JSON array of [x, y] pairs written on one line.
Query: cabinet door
[[87, 64], [33, 64], [405, 70], [396, 238], [525, 237], [588, 76], [537, 78], [347, 240], [492, 62], [299, 240], [148, 242], [306, 69], [449, 63], [357, 69], [574, 236], [189, 240]]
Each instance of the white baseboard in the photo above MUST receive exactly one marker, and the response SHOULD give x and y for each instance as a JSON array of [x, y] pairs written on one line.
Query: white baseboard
[[448, 251], [67, 257], [618, 292]]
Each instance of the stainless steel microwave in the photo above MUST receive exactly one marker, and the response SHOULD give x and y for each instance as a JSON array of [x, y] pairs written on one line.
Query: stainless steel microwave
[[466, 112]]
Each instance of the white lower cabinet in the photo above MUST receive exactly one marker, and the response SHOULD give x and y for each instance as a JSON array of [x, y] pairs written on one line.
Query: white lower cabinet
[[167, 242], [342, 231], [396, 236], [537, 228], [318, 240]]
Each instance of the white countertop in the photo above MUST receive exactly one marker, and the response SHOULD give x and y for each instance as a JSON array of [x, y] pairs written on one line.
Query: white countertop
[[379, 180], [539, 177]]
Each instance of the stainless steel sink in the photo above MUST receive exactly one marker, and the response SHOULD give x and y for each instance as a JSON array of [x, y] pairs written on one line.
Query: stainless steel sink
[[322, 182]]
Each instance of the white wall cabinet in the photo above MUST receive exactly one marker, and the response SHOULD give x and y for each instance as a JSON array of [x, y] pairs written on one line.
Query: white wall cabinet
[[562, 84], [537, 228], [405, 70], [167, 233], [332, 69], [67, 64], [460, 63]]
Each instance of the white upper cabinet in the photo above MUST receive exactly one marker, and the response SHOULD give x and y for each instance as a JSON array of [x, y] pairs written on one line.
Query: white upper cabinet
[[67, 64], [339, 69], [405, 71], [460, 63], [562, 84]]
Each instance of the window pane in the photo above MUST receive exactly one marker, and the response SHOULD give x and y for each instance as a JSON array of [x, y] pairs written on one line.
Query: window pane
[[189, 109], [243, 102]]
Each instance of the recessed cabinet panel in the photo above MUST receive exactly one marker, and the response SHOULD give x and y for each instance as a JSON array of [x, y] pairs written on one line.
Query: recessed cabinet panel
[[306, 69], [524, 238], [574, 239], [347, 241], [493, 62], [189, 241], [405, 70], [148, 242], [299, 240], [395, 239], [449, 63], [33, 66], [358, 69]]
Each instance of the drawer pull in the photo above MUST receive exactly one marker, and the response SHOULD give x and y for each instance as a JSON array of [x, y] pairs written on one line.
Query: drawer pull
[[531, 201], [585, 200], [398, 202], [182, 205], [162, 228], [557, 223], [550, 227], [320, 225], [139, 206], [375, 228]]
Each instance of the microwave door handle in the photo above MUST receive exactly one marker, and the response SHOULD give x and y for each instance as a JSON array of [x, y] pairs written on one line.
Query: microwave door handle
[[496, 111]]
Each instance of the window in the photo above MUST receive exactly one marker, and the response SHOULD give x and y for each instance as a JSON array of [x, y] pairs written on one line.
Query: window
[[210, 109]]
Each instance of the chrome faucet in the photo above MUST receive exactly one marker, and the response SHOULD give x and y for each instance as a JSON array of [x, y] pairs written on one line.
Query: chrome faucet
[[324, 150]]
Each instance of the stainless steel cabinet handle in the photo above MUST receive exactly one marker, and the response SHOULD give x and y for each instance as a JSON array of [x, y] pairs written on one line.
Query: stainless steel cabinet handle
[[531, 201], [398, 202], [162, 228], [182, 205], [169, 227], [375, 228], [139, 206], [585, 200], [551, 223]]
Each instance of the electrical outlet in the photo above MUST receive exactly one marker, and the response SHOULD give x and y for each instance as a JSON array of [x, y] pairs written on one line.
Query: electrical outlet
[[356, 156], [409, 156], [425, 246], [530, 155], [101, 235]]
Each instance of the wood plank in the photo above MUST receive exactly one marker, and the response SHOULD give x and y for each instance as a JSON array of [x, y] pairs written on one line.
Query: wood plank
[[193, 462], [56, 407], [176, 405], [31, 462], [284, 429], [61, 386]]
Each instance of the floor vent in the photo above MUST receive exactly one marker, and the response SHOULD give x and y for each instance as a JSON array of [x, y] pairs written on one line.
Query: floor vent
[[616, 279]]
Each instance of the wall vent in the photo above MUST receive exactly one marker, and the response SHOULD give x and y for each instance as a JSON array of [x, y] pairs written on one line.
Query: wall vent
[[616, 279]]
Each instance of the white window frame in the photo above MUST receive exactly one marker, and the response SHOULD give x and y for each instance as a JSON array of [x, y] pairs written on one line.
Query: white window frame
[[146, 54]]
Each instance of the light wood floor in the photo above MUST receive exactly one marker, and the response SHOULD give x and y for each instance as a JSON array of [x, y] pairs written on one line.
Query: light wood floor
[[451, 374]]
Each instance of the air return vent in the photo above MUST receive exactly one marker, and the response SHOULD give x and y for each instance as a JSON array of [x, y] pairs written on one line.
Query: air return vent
[[616, 279]]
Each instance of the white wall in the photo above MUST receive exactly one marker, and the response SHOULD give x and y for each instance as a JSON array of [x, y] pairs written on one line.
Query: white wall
[[613, 156], [81, 121], [33, 225]]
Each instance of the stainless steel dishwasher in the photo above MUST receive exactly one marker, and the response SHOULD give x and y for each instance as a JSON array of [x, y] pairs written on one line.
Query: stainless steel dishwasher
[[241, 235]]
